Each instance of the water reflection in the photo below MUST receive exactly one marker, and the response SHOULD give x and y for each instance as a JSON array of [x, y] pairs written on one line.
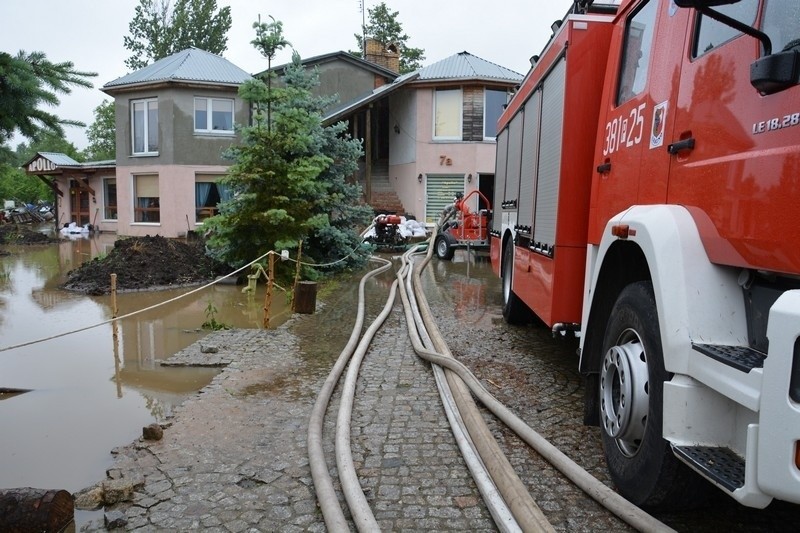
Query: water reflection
[[84, 401]]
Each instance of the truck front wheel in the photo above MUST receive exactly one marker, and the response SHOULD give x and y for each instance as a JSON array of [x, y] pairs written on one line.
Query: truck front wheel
[[632, 375]]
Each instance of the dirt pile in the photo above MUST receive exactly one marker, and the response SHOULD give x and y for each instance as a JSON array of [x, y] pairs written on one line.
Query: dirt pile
[[16, 234], [146, 263]]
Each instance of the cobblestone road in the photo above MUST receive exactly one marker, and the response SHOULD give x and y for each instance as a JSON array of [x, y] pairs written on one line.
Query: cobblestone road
[[235, 459]]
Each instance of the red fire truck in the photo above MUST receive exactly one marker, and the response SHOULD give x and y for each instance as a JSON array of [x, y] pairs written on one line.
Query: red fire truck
[[647, 198]]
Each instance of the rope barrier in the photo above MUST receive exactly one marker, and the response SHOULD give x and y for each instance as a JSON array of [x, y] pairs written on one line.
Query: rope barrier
[[326, 265], [109, 321], [64, 334]]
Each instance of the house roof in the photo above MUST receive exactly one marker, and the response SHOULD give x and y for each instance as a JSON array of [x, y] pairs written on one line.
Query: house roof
[[51, 162], [462, 66], [343, 56], [465, 66], [57, 158], [190, 66], [345, 109]]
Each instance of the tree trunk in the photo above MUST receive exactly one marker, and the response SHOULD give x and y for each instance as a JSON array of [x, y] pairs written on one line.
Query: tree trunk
[[29, 509], [305, 297]]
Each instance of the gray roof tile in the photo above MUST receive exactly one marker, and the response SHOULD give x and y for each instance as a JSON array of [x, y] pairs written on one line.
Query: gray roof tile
[[467, 66], [57, 158], [190, 65]]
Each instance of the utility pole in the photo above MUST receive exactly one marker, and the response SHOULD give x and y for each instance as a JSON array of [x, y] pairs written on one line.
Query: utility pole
[[363, 29]]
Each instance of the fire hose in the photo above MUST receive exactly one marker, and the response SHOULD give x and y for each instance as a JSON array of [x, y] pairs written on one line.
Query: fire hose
[[605, 496], [508, 501]]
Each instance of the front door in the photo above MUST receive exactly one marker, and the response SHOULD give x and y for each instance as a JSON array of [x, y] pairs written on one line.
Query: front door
[[79, 202]]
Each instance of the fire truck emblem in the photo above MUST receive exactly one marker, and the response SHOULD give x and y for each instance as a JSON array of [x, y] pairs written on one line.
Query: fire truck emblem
[[659, 119]]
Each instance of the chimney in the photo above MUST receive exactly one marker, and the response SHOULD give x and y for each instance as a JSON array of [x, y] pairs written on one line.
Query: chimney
[[386, 56]]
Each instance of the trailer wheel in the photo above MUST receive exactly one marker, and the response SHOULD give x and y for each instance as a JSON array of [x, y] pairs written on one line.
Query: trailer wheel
[[514, 311], [443, 248], [632, 375]]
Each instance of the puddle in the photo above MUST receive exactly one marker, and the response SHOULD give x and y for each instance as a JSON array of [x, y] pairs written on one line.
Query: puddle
[[87, 395]]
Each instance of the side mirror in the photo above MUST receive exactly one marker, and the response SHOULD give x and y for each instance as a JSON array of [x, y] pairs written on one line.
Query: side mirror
[[771, 74]]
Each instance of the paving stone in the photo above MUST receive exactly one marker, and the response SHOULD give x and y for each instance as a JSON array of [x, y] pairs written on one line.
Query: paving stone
[[235, 455]]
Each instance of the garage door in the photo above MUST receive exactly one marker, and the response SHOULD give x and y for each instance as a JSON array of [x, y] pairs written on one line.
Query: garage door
[[439, 192]]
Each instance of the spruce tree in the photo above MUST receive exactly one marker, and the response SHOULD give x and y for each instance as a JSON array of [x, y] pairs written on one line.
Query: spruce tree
[[289, 176]]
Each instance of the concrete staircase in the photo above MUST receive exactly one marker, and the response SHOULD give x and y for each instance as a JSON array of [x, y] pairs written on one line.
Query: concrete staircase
[[384, 198]]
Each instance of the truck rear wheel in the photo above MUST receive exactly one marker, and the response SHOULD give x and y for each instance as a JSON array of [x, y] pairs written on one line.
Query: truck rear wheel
[[632, 375], [514, 311]]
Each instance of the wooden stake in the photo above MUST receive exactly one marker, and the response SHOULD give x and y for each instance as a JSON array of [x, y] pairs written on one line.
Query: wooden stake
[[297, 271], [113, 296], [115, 334], [268, 296]]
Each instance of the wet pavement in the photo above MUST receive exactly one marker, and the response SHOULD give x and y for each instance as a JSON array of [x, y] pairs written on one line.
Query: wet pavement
[[234, 456]]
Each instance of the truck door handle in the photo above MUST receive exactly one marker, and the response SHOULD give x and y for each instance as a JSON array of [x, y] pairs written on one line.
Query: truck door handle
[[679, 146], [605, 168]]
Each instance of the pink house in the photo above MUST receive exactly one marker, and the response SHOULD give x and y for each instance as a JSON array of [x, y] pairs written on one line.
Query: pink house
[[430, 134]]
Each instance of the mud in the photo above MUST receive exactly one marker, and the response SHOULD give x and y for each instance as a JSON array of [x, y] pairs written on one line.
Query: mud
[[17, 234], [144, 263]]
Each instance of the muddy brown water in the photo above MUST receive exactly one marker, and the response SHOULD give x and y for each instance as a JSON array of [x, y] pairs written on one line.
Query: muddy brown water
[[82, 400]]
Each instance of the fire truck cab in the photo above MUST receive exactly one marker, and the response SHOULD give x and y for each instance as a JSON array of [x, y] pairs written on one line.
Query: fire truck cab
[[646, 197]]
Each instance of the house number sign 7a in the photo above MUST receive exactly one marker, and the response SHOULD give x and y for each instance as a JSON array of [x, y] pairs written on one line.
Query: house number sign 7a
[[445, 161]]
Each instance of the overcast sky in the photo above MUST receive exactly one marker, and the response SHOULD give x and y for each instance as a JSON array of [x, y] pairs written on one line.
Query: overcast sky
[[90, 34]]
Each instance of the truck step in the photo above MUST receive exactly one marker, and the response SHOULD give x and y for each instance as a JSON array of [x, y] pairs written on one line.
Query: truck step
[[719, 464], [741, 358]]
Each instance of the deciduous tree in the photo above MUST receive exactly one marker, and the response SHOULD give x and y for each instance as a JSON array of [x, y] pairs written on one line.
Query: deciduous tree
[[383, 26], [157, 30], [101, 133], [15, 184]]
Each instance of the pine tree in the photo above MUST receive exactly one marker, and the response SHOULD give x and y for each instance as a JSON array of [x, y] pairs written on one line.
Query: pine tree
[[384, 27], [29, 81]]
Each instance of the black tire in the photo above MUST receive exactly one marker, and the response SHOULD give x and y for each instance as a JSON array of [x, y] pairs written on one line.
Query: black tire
[[514, 311], [444, 250], [640, 461]]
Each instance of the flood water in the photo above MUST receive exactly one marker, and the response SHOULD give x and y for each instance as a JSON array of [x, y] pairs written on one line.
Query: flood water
[[86, 397]]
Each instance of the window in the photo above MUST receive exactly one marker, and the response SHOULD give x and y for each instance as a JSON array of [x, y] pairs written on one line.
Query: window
[[782, 22], [110, 198], [208, 193], [220, 117], [146, 206], [636, 57], [447, 114], [144, 120], [494, 102], [710, 33]]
